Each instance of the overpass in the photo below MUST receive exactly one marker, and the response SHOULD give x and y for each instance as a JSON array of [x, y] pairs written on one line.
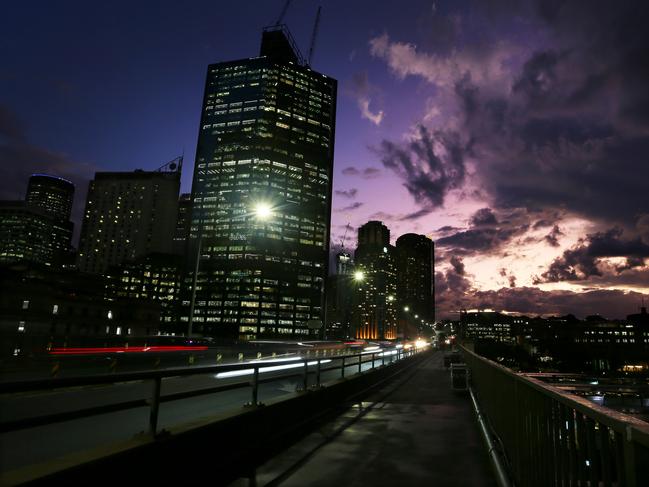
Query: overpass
[[383, 417]]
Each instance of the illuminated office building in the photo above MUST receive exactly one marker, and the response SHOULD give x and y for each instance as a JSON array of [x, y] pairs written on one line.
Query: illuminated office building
[[375, 281], [51, 194], [262, 194], [38, 229], [128, 215], [414, 257]]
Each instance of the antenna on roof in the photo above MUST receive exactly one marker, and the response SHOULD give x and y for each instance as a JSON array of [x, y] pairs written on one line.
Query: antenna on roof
[[283, 13], [314, 35], [174, 165]]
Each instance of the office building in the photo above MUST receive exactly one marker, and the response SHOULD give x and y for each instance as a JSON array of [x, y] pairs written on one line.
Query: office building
[[375, 282], [414, 258], [128, 215], [38, 229], [262, 194], [51, 194]]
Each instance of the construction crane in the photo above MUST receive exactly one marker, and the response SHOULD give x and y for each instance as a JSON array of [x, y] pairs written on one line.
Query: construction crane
[[313, 35], [283, 12], [342, 240]]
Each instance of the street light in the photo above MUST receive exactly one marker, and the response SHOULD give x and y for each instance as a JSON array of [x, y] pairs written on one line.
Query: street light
[[262, 210]]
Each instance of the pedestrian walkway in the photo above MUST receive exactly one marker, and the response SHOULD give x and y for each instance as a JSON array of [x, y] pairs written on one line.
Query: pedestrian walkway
[[414, 431]]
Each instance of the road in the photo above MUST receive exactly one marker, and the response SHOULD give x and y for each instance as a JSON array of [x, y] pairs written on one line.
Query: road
[[40, 444]]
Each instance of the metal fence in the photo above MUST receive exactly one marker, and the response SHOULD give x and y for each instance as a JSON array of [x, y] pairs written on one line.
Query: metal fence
[[309, 369], [550, 438]]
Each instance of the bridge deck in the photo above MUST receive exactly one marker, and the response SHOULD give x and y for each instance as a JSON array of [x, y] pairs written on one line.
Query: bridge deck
[[414, 431]]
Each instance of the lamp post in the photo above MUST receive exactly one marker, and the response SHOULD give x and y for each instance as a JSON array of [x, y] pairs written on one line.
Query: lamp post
[[261, 210]]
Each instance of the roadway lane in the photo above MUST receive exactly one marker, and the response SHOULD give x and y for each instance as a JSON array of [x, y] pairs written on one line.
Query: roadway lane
[[36, 445]]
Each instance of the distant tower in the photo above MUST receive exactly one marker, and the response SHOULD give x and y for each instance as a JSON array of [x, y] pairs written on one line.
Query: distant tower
[[51, 194], [128, 215], [414, 256], [375, 315]]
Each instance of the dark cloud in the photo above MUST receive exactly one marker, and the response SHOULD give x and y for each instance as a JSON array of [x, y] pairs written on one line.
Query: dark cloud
[[350, 171], [484, 216], [415, 214], [533, 301], [584, 260], [458, 265], [348, 193], [367, 173], [431, 164], [370, 173], [552, 238], [555, 123], [352, 207]]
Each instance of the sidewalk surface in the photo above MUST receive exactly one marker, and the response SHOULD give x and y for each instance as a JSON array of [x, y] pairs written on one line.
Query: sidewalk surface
[[414, 431]]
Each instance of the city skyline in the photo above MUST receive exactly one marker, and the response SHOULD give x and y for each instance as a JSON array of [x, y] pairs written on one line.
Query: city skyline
[[533, 208]]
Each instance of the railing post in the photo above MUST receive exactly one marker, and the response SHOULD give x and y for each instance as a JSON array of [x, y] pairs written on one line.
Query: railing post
[[373, 355], [306, 374], [342, 368], [360, 362], [255, 386], [383, 357], [155, 406], [317, 374]]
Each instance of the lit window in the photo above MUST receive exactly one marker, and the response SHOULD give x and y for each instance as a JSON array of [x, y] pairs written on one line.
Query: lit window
[[55, 309], [119, 330], [21, 326], [25, 304]]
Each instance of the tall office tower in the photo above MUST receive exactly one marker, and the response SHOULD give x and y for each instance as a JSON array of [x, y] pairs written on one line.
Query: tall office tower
[[51, 194], [262, 194], [415, 260], [183, 224], [128, 215], [375, 310]]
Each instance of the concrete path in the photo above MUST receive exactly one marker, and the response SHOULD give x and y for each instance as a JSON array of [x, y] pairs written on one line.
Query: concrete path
[[415, 431]]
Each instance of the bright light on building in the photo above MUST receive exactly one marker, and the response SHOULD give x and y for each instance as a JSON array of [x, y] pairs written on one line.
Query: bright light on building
[[263, 210], [406, 309], [359, 276]]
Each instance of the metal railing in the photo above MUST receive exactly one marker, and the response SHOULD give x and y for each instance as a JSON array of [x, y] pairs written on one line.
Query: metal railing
[[309, 366], [550, 438]]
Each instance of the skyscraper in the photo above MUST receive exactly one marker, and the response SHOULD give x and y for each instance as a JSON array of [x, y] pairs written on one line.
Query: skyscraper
[[340, 298], [38, 229], [128, 215], [262, 193], [51, 194], [414, 258], [375, 316]]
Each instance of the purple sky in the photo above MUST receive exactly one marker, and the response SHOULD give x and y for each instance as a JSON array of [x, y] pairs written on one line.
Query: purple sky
[[514, 133]]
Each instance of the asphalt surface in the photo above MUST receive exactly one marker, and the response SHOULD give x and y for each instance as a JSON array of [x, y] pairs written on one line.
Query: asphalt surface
[[415, 431]]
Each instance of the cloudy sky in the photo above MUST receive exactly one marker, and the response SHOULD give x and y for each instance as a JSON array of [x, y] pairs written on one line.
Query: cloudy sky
[[514, 133]]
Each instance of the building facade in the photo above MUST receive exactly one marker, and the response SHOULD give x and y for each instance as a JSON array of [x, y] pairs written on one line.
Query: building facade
[[261, 195], [38, 229], [128, 215], [340, 298], [51, 194], [375, 282], [414, 258]]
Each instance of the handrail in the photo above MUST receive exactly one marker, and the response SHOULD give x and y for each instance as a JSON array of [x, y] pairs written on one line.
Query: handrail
[[257, 367], [551, 437]]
